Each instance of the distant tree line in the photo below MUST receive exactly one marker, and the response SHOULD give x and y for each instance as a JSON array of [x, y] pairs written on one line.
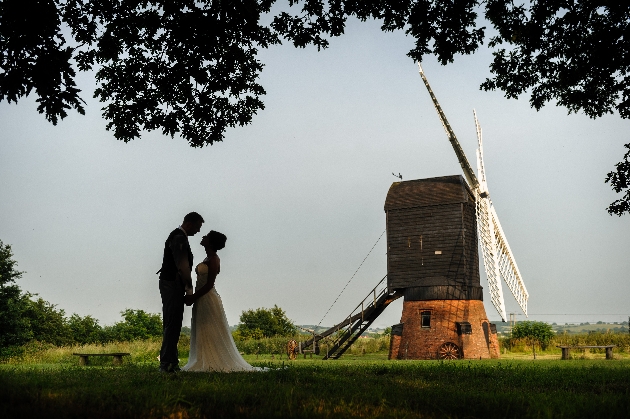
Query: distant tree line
[[25, 318]]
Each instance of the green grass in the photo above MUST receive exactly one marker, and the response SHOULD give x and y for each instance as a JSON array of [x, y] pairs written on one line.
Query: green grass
[[355, 386]]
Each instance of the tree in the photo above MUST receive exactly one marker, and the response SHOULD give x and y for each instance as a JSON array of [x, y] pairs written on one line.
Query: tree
[[14, 327], [576, 53], [136, 325], [620, 180], [187, 67], [35, 56], [47, 323], [535, 332], [264, 323], [190, 68], [180, 66], [85, 330]]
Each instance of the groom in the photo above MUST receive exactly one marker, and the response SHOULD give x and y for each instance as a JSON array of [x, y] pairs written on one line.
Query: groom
[[175, 283]]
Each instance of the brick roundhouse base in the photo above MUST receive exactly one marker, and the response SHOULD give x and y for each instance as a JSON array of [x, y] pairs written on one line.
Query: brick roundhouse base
[[417, 342]]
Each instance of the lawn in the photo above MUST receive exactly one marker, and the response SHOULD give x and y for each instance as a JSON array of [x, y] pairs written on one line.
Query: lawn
[[361, 386]]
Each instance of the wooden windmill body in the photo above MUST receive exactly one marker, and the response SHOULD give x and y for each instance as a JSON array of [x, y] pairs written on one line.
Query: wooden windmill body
[[432, 259], [434, 229]]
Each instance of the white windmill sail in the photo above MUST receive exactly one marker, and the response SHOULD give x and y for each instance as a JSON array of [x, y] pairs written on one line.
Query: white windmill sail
[[486, 232], [497, 256]]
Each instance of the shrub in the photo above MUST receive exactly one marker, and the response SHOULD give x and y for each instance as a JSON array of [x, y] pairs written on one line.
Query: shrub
[[85, 330], [539, 332], [47, 323], [274, 345], [137, 325], [264, 323]]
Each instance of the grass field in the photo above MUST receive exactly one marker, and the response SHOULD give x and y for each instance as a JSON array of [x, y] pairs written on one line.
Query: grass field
[[357, 386]]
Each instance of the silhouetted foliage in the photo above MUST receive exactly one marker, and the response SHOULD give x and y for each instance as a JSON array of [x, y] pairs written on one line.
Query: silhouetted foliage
[[190, 67], [85, 330], [136, 325], [620, 180], [47, 323], [35, 56], [25, 318], [187, 67], [440, 27], [14, 328], [576, 53]]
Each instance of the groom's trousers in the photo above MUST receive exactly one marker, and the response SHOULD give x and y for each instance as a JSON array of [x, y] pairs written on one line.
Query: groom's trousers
[[173, 302]]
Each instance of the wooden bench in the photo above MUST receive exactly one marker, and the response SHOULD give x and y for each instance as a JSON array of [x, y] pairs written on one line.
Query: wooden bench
[[566, 350], [118, 357]]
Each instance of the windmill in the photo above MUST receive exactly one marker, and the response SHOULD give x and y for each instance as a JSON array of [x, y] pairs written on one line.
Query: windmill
[[434, 229], [498, 259]]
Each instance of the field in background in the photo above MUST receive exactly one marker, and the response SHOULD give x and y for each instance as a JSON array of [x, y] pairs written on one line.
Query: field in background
[[574, 328], [270, 349]]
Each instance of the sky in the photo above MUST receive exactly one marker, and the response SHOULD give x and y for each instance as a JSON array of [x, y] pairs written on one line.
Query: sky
[[300, 191]]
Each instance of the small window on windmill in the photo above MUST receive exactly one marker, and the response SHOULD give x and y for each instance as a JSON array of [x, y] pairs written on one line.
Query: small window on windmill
[[464, 328], [493, 328], [425, 319]]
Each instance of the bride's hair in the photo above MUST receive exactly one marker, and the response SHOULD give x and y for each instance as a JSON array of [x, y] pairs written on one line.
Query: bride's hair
[[216, 240]]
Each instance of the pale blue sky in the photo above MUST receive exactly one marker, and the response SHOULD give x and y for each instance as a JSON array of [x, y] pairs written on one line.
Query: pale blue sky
[[300, 192]]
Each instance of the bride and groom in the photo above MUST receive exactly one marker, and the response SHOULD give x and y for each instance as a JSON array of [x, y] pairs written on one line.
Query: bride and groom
[[212, 347]]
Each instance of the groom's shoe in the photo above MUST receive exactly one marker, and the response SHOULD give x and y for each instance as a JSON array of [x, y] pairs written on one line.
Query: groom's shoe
[[170, 368]]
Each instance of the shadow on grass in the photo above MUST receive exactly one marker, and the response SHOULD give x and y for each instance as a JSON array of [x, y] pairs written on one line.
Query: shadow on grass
[[460, 389]]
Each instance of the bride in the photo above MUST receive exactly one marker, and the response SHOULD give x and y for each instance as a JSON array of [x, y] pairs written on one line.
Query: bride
[[212, 347]]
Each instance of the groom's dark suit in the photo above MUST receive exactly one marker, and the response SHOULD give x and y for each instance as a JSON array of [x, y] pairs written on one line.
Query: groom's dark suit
[[172, 291]]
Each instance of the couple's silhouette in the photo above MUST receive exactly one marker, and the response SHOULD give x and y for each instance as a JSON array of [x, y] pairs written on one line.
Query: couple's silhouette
[[212, 347]]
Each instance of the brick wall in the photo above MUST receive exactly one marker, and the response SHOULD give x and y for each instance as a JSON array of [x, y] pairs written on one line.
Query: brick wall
[[419, 342], [394, 345]]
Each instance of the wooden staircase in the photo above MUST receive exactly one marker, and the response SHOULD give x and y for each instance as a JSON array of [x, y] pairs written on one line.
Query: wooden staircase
[[349, 330]]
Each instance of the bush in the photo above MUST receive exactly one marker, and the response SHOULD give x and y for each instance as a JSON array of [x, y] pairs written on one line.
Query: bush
[[620, 340], [264, 323], [85, 330], [274, 345], [137, 325], [539, 332], [47, 324], [369, 345]]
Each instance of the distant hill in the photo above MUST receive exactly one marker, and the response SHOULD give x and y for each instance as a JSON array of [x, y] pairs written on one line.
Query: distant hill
[[575, 328]]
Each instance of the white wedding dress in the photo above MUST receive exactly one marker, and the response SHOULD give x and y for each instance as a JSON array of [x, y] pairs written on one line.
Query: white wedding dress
[[212, 347]]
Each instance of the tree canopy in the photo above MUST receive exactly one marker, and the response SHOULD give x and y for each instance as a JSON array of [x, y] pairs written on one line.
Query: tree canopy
[[190, 67]]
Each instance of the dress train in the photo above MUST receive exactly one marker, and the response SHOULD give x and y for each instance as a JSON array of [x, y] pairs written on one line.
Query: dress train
[[212, 347]]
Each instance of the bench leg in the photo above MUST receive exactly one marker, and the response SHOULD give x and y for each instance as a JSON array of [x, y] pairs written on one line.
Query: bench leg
[[609, 353], [83, 360], [117, 360], [565, 353]]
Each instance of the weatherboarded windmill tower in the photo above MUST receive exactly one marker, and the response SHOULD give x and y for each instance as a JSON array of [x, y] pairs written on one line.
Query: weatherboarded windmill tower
[[433, 227], [432, 258]]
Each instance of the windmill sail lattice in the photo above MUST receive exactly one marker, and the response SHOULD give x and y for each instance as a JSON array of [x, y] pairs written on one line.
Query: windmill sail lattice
[[497, 256]]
